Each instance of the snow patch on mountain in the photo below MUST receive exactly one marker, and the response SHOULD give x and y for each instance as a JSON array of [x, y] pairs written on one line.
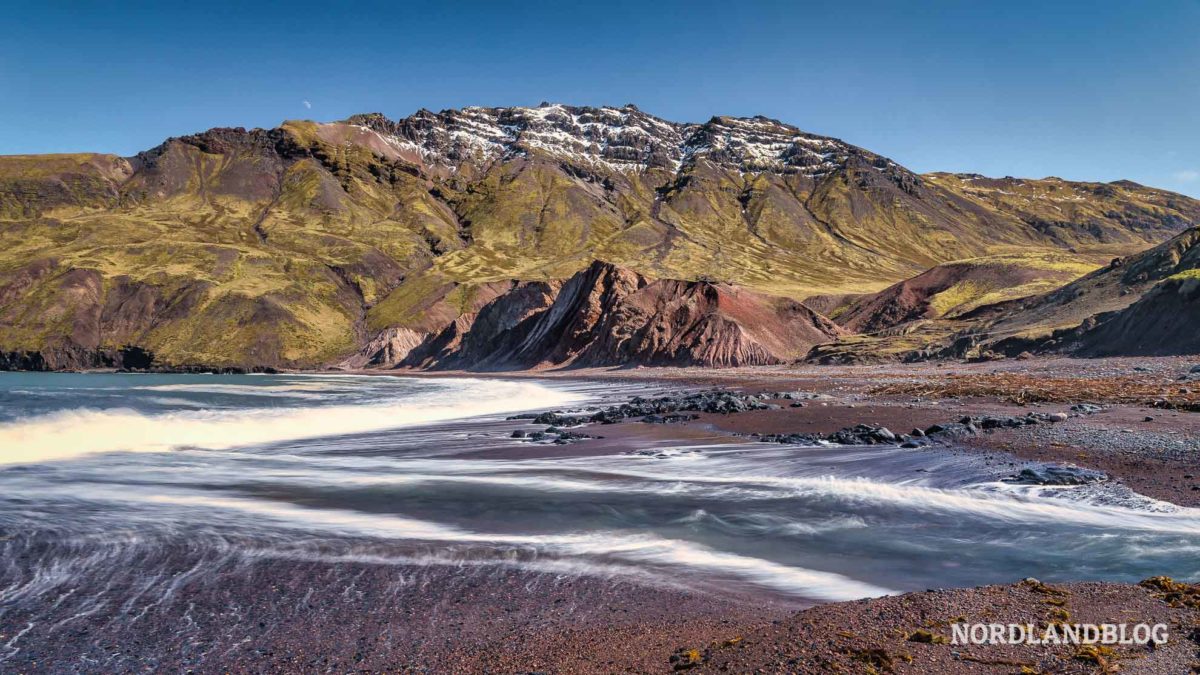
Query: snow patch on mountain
[[613, 139]]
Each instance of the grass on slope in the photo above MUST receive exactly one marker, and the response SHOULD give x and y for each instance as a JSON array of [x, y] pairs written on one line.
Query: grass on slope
[[1049, 270]]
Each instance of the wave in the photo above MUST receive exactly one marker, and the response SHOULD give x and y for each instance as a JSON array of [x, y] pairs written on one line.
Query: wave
[[312, 391], [74, 433], [640, 548], [1012, 505]]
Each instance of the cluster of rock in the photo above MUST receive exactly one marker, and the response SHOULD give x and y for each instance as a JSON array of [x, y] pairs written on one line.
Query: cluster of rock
[[866, 434], [685, 407], [552, 434], [663, 453], [859, 434], [672, 418], [672, 409], [665, 409]]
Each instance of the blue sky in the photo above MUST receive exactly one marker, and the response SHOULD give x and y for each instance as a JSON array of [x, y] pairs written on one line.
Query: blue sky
[[1082, 90]]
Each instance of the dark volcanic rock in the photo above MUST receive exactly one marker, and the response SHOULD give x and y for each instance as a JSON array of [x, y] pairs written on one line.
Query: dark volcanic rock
[[950, 430], [1053, 474], [673, 418], [791, 439], [659, 410], [861, 434]]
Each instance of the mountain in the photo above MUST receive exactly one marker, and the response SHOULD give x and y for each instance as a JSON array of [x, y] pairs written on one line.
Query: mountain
[[356, 241], [955, 288], [1147, 303]]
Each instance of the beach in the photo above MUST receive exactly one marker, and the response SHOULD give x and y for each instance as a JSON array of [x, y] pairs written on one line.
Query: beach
[[466, 543]]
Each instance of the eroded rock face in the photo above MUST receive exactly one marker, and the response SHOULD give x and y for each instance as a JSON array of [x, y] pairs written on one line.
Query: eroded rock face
[[610, 316], [671, 322], [388, 348], [569, 326], [503, 326]]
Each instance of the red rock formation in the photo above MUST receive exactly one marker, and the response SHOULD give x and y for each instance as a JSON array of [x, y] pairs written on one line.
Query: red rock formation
[[610, 316], [686, 323]]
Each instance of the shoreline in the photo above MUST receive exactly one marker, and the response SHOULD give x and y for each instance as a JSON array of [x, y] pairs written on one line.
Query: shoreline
[[1158, 457], [504, 620]]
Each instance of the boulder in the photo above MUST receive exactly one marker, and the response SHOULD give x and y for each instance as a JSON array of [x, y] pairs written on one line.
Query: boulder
[[1056, 474]]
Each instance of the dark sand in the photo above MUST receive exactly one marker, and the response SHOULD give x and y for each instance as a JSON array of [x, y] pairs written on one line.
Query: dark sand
[[247, 615]]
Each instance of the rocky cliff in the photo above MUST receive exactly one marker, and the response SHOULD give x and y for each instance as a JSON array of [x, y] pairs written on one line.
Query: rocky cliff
[[609, 316]]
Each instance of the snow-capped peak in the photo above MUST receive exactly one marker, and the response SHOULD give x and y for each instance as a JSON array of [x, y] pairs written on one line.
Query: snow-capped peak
[[621, 139]]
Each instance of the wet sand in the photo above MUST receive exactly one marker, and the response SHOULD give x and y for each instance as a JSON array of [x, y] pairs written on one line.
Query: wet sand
[[270, 615]]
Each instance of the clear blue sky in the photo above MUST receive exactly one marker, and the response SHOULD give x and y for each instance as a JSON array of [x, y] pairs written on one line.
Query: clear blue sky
[[1086, 90]]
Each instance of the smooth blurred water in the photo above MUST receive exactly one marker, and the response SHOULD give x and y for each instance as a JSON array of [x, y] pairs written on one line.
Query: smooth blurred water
[[97, 470]]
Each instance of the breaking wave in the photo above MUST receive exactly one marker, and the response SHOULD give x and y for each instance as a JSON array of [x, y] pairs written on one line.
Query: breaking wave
[[74, 433]]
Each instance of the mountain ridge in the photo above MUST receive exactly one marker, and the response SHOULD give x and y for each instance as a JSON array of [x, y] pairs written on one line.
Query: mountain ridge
[[299, 246]]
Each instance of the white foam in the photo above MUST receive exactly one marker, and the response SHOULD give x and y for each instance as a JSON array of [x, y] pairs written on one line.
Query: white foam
[[74, 433], [633, 547], [297, 390], [1000, 506]]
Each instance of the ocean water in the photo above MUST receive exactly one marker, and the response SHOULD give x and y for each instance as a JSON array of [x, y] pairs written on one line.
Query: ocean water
[[98, 471]]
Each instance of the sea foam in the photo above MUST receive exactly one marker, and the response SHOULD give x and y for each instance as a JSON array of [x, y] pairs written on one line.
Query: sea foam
[[73, 433]]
